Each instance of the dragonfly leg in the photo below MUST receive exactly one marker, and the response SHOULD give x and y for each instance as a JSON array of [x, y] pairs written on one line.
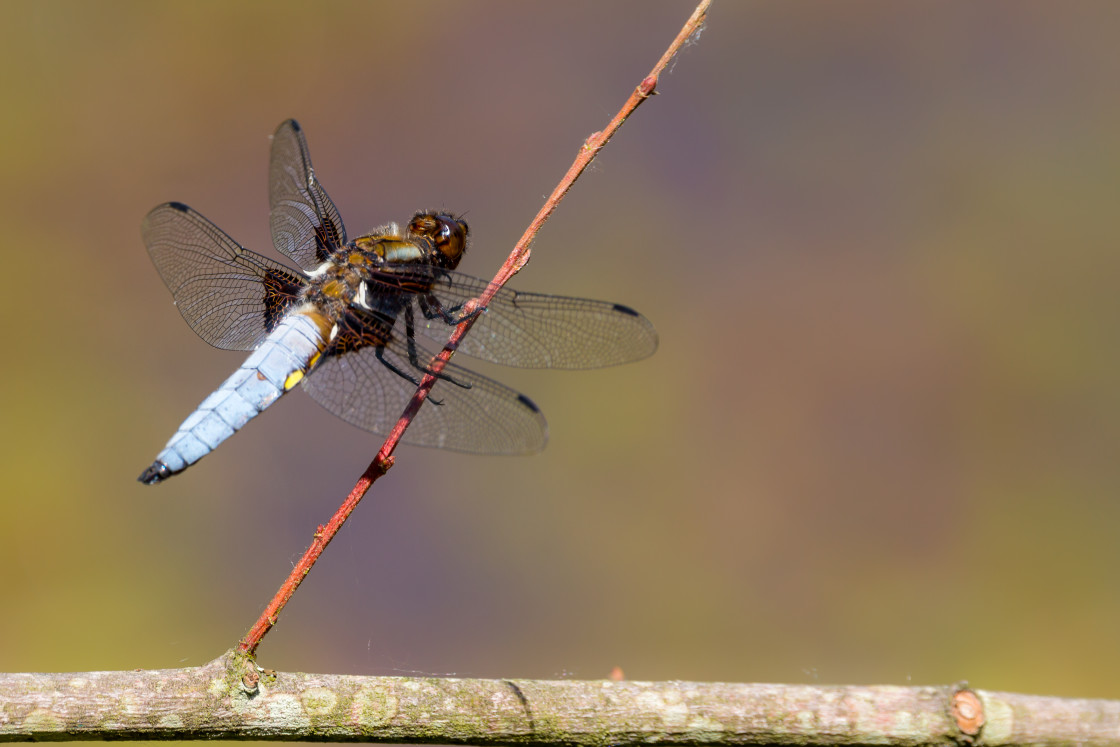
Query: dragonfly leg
[[432, 308], [413, 356], [380, 352]]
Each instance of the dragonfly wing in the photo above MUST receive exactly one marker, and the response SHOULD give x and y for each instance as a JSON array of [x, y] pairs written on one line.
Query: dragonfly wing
[[231, 297], [486, 418], [535, 330], [305, 223]]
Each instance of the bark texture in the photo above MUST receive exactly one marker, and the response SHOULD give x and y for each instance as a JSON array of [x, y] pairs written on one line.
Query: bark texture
[[230, 698]]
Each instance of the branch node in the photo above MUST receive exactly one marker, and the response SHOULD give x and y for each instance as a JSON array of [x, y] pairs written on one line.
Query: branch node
[[250, 682], [968, 712]]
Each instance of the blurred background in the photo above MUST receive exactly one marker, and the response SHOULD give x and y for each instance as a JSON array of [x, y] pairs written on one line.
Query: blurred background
[[878, 443]]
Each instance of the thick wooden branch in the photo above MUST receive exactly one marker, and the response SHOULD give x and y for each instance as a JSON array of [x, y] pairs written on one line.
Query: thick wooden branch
[[230, 699]]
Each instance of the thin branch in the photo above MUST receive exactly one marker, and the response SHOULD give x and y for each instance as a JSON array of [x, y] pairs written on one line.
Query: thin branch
[[513, 264], [213, 702]]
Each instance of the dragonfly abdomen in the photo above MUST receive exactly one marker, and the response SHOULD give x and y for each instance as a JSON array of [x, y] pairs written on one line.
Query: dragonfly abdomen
[[280, 363]]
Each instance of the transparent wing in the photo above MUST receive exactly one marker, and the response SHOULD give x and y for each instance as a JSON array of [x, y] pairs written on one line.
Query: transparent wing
[[305, 223], [534, 330], [227, 294], [487, 418]]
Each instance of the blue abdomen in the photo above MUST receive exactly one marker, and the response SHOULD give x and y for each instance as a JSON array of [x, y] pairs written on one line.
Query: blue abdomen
[[275, 367]]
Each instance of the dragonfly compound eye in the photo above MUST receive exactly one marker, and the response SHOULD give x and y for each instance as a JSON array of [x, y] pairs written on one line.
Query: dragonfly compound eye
[[447, 234]]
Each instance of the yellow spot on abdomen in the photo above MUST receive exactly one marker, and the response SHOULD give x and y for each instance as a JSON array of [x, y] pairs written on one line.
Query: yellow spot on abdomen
[[293, 378]]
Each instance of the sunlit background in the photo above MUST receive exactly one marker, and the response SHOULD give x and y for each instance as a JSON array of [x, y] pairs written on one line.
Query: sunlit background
[[878, 444]]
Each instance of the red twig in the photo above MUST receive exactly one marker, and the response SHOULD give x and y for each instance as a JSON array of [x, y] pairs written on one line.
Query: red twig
[[513, 264]]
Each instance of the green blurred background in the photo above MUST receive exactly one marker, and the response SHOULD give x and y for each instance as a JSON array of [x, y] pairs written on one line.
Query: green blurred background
[[878, 443]]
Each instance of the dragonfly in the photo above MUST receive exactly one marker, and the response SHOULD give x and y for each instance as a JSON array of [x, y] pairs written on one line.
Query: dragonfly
[[355, 321]]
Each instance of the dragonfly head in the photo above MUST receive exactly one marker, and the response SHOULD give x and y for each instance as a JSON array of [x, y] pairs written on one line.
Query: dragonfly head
[[447, 234]]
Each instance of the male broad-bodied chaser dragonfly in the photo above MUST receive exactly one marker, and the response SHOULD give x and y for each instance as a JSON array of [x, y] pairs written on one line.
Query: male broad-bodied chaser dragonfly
[[345, 324]]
